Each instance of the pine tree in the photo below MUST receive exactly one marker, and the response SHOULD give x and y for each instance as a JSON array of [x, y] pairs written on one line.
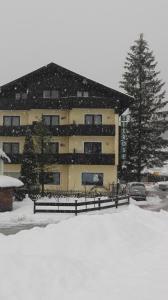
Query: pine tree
[[29, 167], [144, 132], [42, 140]]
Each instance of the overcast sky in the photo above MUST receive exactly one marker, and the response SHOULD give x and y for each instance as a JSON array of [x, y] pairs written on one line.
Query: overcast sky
[[90, 37]]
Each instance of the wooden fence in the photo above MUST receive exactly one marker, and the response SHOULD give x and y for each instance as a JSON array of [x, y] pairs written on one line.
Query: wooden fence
[[78, 206]]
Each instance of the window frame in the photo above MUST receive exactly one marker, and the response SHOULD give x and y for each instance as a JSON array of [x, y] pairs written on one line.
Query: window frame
[[52, 183], [93, 118], [48, 148], [92, 183], [51, 94], [11, 144], [100, 143], [20, 96], [11, 120], [50, 117], [84, 94]]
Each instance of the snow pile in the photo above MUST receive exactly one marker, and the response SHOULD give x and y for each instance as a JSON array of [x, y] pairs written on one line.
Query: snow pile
[[118, 256], [22, 214], [7, 181]]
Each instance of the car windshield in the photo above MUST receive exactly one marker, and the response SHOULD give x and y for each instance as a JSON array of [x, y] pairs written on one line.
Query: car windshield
[[138, 187]]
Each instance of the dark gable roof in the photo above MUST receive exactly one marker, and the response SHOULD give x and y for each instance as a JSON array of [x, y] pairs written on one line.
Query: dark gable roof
[[53, 76]]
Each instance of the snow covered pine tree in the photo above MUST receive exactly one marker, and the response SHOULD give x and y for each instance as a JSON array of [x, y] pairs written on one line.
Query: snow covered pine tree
[[29, 167], [144, 132]]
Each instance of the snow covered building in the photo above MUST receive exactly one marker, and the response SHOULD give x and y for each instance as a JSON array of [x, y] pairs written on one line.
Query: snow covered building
[[82, 116]]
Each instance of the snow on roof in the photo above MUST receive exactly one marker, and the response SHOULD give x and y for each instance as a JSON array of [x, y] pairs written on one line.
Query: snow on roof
[[7, 181], [4, 156]]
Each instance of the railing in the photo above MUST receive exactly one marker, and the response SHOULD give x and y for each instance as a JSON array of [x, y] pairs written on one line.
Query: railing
[[79, 206], [61, 103], [69, 158], [61, 130]]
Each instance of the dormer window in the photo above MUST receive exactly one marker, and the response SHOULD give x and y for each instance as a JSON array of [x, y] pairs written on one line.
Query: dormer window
[[82, 94], [50, 94]]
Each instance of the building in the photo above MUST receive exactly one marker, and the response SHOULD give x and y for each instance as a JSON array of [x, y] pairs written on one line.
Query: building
[[82, 116], [123, 136], [162, 116]]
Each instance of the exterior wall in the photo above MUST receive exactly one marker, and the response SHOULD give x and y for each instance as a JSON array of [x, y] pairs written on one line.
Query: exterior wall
[[77, 115], [22, 113], [36, 115], [75, 175], [70, 175], [13, 139], [77, 143], [63, 169]]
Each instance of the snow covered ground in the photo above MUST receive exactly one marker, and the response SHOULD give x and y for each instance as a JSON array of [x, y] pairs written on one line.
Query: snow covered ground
[[112, 256], [22, 213]]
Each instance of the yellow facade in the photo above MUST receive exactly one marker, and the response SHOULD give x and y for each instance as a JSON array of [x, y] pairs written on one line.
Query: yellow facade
[[70, 175]]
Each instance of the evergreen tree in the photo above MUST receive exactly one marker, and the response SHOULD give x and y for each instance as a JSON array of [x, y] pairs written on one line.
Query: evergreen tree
[[29, 167], [42, 140], [144, 132]]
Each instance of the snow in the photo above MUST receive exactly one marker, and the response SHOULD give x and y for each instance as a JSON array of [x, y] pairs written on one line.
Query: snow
[[163, 171], [7, 181], [4, 156], [22, 214], [111, 256]]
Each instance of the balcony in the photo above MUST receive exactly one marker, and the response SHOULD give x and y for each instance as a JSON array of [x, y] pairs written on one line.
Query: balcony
[[62, 130], [69, 159], [61, 103]]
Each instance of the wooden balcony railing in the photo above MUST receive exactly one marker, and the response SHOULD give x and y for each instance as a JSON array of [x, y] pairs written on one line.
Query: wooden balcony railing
[[69, 159]]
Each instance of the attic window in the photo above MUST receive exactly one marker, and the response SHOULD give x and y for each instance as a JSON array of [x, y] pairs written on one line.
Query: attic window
[[50, 94], [82, 94], [19, 96]]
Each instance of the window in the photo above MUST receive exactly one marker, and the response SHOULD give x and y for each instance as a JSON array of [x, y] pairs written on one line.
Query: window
[[19, 96], [11, 148], [50, 94], [11, 121], [52, 148], [13, 174], [54, 94], [51, 120], [93, 119], [92, 147], [52, 178], [82, 94], [92, 179]]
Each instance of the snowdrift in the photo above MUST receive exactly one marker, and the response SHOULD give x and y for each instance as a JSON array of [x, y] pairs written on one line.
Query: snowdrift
[[111, 256]]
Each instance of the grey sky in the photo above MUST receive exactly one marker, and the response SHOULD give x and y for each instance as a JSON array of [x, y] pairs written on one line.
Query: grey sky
[[91, 37]]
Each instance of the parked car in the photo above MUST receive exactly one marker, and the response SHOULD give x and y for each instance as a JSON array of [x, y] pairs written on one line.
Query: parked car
[[137, 190], [163, 185]]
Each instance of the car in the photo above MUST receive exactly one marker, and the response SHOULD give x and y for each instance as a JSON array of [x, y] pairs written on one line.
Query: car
[[137, 190], [163, 186]]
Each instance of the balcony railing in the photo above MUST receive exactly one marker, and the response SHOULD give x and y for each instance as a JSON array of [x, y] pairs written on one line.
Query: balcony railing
[[61, 130], [69, 159], [61, 103]]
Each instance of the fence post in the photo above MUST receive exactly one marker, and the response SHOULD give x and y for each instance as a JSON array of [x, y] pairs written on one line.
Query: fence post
[[116, 201], [76, 208], [34, 207], [99, 202]]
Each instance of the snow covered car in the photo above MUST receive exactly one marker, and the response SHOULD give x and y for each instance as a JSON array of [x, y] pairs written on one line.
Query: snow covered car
[[163, 186], [137, 190]]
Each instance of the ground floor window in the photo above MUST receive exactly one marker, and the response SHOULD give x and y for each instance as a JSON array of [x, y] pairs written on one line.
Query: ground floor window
[[92, 179], [52, 178], [12, 174]]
